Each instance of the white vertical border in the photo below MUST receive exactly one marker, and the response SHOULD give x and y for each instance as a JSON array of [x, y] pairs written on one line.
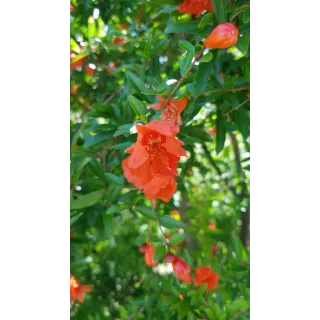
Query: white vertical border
[[34, 160], [285, 162]]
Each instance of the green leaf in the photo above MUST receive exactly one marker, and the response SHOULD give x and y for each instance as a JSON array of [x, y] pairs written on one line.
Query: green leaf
[[82, 164], [122, 146], [246, 16], [159, 47], [117, 208], [98, 138], [221, 134], [137, 106], [169, 222], [207, 19], [243, 44], [146, 212], [114, 179], [87, 200], [124, 130], [75, 217], [187, 46], [246, 70], [220, 10], [238, 10], [176, 238], [202, 76], [160, 253], [243, 121], [136, 84], [206, 58], [183, 27], [185, 62]]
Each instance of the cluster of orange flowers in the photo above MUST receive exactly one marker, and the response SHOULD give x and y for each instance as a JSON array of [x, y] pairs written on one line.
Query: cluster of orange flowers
[[77, 290], [195, 6], [203, 275], [153, 161]]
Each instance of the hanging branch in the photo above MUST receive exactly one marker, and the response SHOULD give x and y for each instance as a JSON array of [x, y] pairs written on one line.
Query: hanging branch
[[196, 58]]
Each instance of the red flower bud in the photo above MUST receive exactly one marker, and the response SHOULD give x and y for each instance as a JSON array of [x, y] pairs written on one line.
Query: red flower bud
[[223, 36], [180, 268], [148, 250]]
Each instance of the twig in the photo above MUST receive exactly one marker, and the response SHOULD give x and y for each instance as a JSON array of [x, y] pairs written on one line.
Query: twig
[[112, 96], [196, 58], [238, 107], [238, 314], [166, 243], [150, 231], [225, 90]]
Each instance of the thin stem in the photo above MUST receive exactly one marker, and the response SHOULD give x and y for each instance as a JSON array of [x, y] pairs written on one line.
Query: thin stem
[[226, 90], [238, 107], [237, 314], [196, 58], [166, 243], [150, 231], [112, 96]]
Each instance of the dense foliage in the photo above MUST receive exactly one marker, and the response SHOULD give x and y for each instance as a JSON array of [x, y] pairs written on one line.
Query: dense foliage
[[126, 56]]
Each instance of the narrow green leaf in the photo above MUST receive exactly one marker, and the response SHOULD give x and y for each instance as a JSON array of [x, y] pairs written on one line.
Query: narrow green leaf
[[116, 208], [238, 10], [183, 27], [122, 146], [206, 58], [114, 179], [82, 164], [207, 19], [187, 46], [160, 253], [185, 62], [176, 238], [169, 222], [220, 10], [75, 217], [246, 16], [87, 200], [98, 138], [243, 44], [202, 76], [137, 106], [221, 134], [243, 121], [146, 212]]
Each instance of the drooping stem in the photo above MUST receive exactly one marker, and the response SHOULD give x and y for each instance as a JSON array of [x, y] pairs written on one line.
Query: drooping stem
[[237, 107], [166, 243], [196, 58], [225, 90]]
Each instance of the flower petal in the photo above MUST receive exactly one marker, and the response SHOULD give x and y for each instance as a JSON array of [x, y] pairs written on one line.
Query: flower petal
[[173, 145], [167, 128], [138, 156]]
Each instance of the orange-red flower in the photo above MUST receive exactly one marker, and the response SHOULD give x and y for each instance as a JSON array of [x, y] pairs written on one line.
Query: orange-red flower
[[180, 267], [88, 70], [214, 249], [204, 275], [173, 109], [112, 66], [118, 40], [195, 6], [148, 250], [153, 159], [76, 64], [212, 226], [212, 131], [175, 213], [223, 36], [77, 290]]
